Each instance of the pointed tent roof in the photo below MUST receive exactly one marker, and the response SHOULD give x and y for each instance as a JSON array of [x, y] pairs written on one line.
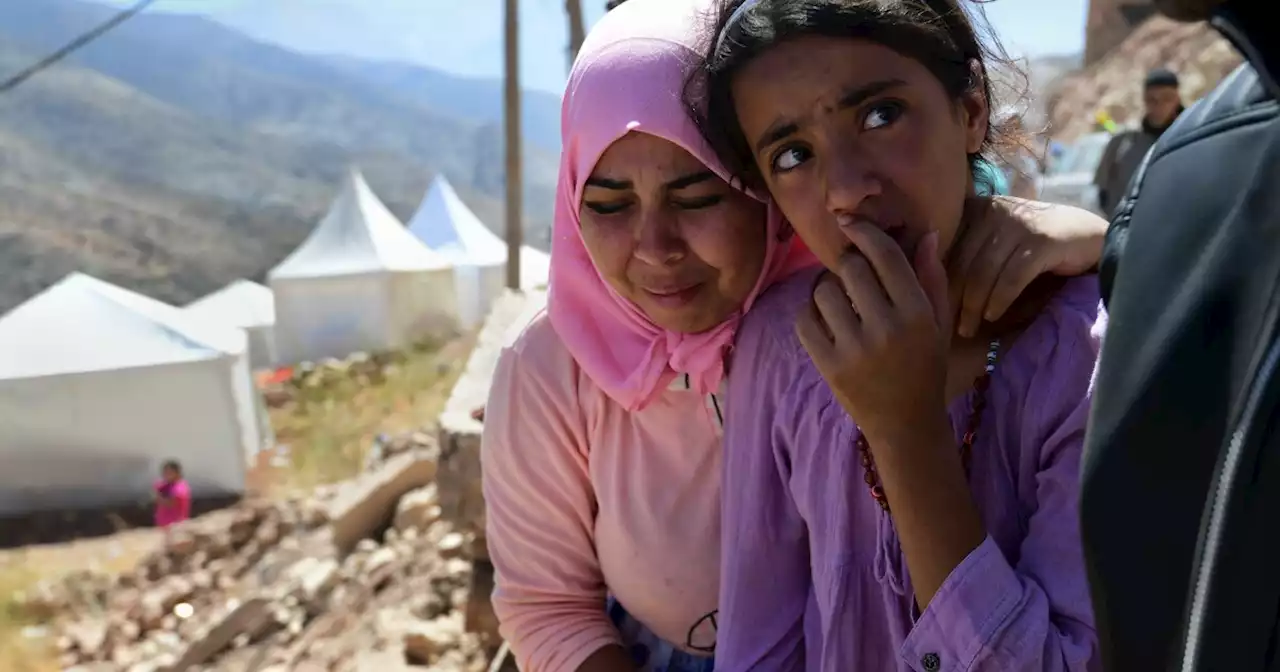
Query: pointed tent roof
[[358, 235], [445, 224], [83, 324], [242, 303]]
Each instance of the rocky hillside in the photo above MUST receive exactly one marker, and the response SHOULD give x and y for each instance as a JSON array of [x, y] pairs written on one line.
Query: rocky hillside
[[1199, 55], [175, 155]]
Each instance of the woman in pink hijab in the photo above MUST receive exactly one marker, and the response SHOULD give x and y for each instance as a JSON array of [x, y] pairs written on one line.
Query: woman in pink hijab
[[601, 450]]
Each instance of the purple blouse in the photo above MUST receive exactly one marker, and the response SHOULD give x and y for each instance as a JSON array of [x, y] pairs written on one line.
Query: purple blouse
[[813, 577]]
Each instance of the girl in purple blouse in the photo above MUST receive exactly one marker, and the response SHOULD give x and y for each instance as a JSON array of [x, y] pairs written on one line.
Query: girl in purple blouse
[[894, 498]]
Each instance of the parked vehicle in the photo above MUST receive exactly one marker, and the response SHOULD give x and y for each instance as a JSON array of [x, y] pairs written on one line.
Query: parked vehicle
[[1068, 178]]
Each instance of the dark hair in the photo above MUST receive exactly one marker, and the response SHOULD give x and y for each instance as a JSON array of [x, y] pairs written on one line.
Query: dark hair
[[937, 33], [1160, 77], [172, 465]]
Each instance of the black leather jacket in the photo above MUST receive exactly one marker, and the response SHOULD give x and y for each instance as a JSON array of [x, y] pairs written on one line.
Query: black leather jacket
[[1181, 479]]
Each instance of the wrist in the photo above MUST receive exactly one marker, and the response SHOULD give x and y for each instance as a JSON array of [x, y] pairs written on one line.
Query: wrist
[[917, 437], [923, 453]]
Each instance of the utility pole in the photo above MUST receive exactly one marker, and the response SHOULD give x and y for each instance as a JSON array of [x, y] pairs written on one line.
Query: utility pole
[[577, 29], [515, 183]]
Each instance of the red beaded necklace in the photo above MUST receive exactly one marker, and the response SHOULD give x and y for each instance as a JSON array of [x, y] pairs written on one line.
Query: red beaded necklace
[[966, 442]]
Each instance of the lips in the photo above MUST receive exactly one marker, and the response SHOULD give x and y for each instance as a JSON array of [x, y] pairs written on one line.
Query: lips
[[673, 296], [670, 290]]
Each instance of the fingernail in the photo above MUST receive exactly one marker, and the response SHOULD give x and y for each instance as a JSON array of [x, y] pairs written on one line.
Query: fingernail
[[844, 221]]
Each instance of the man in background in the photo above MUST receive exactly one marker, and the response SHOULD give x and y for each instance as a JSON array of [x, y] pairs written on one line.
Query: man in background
[[1161, 106]]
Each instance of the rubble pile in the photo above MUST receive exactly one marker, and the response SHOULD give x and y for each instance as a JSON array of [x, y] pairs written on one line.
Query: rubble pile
[[1195, 51], [366, 575], [310, 380]]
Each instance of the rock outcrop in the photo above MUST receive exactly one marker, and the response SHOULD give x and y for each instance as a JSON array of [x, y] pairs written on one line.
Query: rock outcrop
[[1195, 51]]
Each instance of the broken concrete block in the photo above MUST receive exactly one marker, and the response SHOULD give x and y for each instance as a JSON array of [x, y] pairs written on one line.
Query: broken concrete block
[[378, 559], [417, 510], [248, 617], [453, 545], [382, 661], [461, 500], [367, 503], [315, 584], [426, 641], [89, 637]]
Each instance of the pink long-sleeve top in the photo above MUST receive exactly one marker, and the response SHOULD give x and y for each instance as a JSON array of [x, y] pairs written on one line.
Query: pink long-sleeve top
[[585, 500], [813, 576]]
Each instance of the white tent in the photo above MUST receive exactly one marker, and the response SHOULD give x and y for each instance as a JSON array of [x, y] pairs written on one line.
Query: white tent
[[446, 225], [99, 385], [359, 282], [246, 305]]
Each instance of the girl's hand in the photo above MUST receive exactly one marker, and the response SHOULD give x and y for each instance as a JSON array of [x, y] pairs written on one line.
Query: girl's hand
[[1009, 242], [879, 332]]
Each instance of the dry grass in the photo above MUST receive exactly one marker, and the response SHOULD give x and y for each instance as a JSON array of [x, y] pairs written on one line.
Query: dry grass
[[23, 567], [327, 435], [17, 652]]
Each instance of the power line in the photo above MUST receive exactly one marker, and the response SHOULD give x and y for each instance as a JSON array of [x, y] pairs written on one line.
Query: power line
[[72, 46]]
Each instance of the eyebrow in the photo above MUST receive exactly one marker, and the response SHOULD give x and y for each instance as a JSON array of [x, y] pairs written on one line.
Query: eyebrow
[[678, 183], [782, 128], [690, 180], [606, 183]]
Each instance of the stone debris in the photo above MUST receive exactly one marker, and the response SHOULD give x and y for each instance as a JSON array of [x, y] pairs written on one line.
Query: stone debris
[[366, 575], [461, 498], [369, 502], [386, 572], [418, 509], [461, 427]]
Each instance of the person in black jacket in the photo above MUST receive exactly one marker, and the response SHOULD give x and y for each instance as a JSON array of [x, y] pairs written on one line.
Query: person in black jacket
[[1180, 502], [1124, 153]]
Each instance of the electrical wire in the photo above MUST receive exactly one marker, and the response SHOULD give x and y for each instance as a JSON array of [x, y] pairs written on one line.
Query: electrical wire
[[74, 45]]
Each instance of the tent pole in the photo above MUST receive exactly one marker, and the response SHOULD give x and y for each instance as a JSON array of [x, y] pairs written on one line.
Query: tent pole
[[514, 181]]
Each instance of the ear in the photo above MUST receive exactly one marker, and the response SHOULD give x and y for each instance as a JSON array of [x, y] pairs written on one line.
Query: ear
[[977, 114]]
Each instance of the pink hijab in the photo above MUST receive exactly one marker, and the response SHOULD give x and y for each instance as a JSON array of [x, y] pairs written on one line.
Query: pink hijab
[[629, 76]]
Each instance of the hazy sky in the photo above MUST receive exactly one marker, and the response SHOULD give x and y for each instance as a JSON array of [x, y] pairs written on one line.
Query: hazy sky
[[465, 36]]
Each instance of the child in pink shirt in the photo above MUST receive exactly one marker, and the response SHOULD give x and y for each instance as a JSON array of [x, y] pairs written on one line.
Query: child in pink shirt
[[172, 495]]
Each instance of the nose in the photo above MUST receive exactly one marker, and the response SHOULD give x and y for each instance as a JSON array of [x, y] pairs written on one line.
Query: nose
[[658, 240], [849, 179]]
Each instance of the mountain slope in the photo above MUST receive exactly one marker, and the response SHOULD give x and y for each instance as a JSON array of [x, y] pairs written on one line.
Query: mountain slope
[[470, 98], [458, 36], [176, 155], [203, 67]]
